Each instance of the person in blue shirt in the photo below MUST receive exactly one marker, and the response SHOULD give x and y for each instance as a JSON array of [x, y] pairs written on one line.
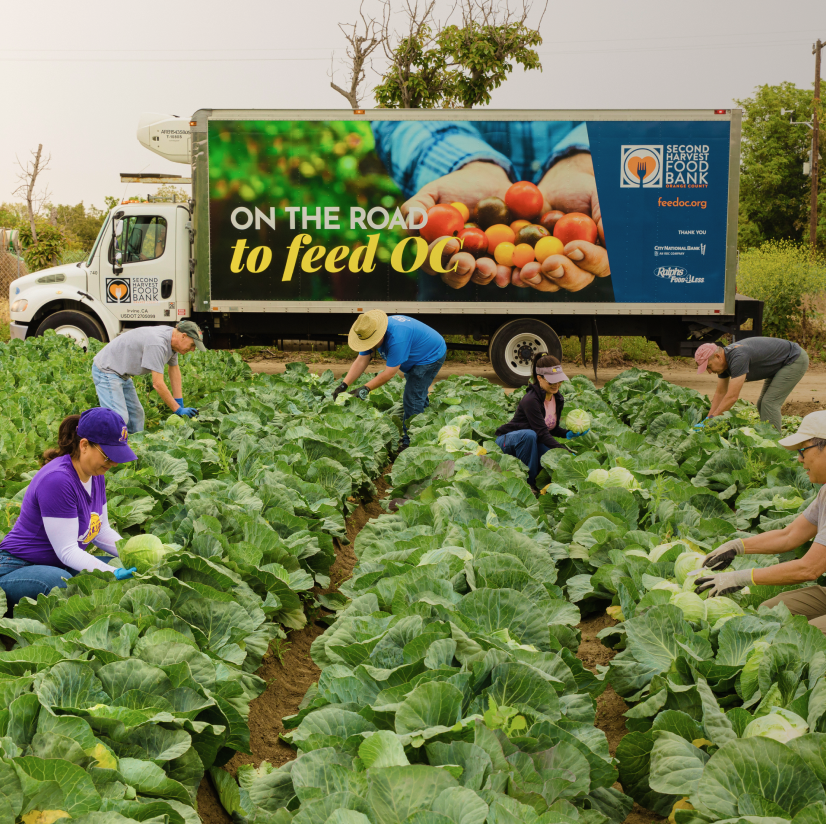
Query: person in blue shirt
[[445, 162], [407, 345]]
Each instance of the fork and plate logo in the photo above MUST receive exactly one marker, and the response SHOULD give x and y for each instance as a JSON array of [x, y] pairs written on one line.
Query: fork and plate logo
[[641, 167]]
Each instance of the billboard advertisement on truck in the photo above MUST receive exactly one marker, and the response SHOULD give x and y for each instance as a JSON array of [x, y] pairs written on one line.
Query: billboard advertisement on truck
[[497, 213]]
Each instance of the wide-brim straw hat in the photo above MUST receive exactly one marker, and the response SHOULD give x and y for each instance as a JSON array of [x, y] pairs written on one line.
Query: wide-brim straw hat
[[367, 331]]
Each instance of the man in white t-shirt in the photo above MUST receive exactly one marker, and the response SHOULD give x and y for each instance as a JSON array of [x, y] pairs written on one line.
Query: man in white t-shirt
[[810, 444], [137, 352]]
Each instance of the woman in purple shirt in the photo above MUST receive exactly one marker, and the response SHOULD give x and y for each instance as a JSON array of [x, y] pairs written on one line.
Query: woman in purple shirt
[[64, 509]]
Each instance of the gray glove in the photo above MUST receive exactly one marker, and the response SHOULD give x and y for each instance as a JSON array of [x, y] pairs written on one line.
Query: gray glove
[[362, 392], [723, 583], [724, 554]]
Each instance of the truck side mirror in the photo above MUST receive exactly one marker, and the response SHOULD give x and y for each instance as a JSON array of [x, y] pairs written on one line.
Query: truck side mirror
[[117, 231]]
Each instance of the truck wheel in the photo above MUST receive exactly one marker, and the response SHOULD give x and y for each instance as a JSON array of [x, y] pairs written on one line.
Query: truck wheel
[[78, 326], [513, 346]]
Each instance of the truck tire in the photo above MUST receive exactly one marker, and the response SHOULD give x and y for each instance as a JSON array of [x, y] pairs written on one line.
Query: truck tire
[[78, 326], [514, 344]]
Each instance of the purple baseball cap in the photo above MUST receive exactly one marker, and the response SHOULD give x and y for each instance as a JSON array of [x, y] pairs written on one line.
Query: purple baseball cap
[[107, 429]]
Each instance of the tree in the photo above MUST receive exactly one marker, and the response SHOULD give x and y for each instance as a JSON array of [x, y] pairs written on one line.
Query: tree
[[774, 192], [28, 180], [360, 48], [174, 193]]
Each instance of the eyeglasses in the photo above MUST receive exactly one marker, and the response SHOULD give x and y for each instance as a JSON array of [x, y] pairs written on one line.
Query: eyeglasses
[[106, 458], [801, 451]]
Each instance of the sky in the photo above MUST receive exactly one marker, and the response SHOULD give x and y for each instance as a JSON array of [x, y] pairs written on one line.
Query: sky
[[94, 67]]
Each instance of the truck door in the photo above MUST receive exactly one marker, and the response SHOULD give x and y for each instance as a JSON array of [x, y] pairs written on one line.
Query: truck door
[[145, 288]]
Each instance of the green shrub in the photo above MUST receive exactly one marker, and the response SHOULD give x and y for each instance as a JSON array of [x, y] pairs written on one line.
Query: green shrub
[[783, 274]]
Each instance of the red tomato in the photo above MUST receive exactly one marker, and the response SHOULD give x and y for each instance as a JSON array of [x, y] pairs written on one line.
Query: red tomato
[[442, 220], [524, 200], [475, 241], [575, 226], [549, 219]]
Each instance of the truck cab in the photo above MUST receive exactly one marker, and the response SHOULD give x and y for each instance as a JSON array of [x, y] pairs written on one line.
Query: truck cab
[[136, 274]]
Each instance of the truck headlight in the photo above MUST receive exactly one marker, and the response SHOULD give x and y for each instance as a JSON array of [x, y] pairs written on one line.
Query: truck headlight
[[20, 305]]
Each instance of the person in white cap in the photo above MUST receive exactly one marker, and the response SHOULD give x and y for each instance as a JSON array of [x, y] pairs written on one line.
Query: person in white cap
[[810, 444], [780, 363], [408, 346]]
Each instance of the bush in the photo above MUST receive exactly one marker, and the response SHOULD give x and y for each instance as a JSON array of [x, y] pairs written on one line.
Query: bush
[[784, 275]]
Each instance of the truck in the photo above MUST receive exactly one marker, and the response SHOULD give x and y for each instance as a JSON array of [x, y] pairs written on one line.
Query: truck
[[510, 229]]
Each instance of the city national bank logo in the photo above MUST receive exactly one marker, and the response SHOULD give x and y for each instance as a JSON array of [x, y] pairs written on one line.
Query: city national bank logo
[[677, 274], [118, 291], [642, 167]]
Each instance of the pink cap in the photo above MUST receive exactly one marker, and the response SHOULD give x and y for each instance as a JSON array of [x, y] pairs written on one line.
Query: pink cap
[[703, 354]]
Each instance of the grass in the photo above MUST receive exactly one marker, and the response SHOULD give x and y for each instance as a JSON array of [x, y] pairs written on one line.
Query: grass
[[4, 321]]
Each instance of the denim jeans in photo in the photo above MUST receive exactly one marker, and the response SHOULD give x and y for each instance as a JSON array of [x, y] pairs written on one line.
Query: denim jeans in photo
[[417, 383], [22, 579], [120, 395], [522, 444]]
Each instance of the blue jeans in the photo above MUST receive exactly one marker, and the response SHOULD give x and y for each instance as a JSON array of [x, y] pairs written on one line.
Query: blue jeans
[[22, 579], [417, 381], [522, 444], [120, 395]]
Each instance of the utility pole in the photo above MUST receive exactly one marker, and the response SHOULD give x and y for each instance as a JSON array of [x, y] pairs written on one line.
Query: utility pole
[[816, 49]]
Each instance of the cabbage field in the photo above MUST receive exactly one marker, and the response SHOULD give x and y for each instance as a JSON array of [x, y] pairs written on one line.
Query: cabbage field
[[450, 689]]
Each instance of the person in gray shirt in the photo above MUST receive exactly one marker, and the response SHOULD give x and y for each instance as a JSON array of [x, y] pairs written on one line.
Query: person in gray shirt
[[138, 352], [780, 363]]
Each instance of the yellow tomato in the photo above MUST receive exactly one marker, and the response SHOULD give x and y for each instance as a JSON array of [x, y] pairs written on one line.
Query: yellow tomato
[[504, 253], [547, 246], [463, 210]]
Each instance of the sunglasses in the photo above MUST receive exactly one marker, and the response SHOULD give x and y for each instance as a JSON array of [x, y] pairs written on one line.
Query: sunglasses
[[106, 458], [801, 451]]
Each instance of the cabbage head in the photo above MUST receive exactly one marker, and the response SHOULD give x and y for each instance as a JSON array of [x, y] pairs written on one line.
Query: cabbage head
[[693, 607], [449, 431], [620, 476], [143, 552], [598, 476], [721, 608], [685, 563], [578, 420], [667, 585], [780, 724], [657, 553], [175, 420]]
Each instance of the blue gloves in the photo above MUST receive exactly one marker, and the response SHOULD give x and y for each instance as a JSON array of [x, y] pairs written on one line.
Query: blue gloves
[[571, 435], [362, 392], [123, 574], [179, 401], [702, 423], [186, 411]]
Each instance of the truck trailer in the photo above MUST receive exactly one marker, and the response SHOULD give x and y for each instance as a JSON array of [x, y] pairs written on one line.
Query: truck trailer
[[511, 228]]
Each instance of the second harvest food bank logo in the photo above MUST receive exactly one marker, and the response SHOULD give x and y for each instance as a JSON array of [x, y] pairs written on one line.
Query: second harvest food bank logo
[[641, 167], [118, 290]]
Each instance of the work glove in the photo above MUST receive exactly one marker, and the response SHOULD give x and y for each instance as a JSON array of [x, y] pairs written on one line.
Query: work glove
[[702, 423], [724, 554], [571, 435], [342, 387], [179, 401], [362, 392], [186, 412], [723, 583], [123, 574]]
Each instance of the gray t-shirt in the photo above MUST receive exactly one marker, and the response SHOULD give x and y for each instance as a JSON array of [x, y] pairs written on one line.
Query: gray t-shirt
[[138, 351], [759, 358], [815, 513]]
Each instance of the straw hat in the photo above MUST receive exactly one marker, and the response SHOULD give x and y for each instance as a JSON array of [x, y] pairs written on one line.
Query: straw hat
[[367, 331]]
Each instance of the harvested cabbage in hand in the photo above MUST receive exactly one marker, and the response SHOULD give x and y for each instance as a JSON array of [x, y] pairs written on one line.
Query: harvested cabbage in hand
[[143, 552], [578, 420]]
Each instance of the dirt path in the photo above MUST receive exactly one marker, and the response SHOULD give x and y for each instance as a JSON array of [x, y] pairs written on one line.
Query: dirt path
[[289, 672], [610, 706]]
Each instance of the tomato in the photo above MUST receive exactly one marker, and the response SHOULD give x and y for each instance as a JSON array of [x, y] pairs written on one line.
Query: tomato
[[504, 253], [531, 234], [575, 226], [523, 254], [442, 220], [549, 219], [524, 200], [499, 233], [519, 224], [547, 246], [475, 241], [462, 210]]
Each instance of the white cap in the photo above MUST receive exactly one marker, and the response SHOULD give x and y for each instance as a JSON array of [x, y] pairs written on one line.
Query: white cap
[[812, 426]]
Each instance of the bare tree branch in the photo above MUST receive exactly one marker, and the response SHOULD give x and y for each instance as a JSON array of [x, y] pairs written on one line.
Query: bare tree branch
[[28, 180], [360, 47]]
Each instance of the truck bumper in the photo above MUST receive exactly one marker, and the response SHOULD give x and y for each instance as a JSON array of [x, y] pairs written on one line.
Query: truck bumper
[[18, 330]]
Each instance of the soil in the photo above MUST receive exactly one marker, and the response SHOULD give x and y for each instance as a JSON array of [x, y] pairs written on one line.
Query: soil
[[610, 706], [289, 672]]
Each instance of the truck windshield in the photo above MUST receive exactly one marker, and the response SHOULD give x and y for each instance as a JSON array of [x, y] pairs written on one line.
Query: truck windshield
[[101, 233]]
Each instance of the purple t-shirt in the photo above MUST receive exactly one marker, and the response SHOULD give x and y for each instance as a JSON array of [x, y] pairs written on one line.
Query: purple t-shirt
[[55, 492]]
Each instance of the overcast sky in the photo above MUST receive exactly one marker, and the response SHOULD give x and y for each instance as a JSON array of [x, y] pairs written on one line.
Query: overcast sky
[[99, 65]]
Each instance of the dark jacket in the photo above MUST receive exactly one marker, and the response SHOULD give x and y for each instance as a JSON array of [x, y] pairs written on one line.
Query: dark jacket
[[530, 414]]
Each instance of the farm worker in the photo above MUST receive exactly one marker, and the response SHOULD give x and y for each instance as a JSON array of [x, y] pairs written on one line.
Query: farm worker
[[809, 442], [407, 345], [437, 162], [536, 421], [780, 363], [64, 508], [136, 352]]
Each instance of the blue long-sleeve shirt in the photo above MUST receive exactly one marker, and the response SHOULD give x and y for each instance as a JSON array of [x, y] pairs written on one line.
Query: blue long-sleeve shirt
[[417, 152]]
